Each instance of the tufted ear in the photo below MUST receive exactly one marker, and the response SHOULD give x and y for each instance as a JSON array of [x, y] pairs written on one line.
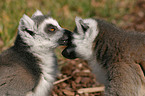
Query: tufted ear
[[81, 26], [37, 13], [26, 24]]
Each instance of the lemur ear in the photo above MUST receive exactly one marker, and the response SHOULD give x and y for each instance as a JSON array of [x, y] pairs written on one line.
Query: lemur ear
[[26, 23], [81, 26], [84, 25], [37, 13]]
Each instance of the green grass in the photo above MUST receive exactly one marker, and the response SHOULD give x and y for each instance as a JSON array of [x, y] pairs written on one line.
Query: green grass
[[64, 11]]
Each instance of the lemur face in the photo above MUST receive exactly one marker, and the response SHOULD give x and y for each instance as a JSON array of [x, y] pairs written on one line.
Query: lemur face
[[81, 45], [41, 30]]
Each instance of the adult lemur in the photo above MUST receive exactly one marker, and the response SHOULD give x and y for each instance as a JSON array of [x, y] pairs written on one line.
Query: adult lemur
[[29, 67], [115, 56]]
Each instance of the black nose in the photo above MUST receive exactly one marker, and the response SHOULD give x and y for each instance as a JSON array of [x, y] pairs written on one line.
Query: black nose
[[66, 38], [69, 53]]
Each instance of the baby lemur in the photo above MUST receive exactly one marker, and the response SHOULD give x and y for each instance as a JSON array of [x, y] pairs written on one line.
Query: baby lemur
[[116, 57], [29, 67]]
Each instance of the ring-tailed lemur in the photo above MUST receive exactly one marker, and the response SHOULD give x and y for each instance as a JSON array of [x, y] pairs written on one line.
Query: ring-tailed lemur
[[115, 56], [29, 67]]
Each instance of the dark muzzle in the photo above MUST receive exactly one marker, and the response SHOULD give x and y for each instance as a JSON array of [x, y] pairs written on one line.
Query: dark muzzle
[[66, 38], [69, 52]]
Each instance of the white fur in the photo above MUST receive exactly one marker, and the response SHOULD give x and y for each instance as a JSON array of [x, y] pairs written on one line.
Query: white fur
[[26, 22], [49, 70], [37, 13], [52, 21], [42, 46], [80, 30], [85, 40], [84, 44], [56, 36], [41, 38], [97, 69], [84, 50]]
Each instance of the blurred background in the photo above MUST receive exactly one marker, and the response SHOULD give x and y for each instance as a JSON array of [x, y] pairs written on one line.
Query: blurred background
[[127, 14]]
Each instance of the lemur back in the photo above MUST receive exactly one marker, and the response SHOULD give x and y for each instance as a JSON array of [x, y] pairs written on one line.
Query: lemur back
[[122, 55], [18, 75], [116, 57]]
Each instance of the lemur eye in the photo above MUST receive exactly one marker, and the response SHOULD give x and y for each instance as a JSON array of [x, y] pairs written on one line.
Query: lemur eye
[[52, 29]]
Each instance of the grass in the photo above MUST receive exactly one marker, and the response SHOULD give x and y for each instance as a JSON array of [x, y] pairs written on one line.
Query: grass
[[64, 11]]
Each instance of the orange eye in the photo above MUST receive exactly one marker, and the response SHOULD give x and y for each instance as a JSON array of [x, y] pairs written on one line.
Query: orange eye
[[52, 29]]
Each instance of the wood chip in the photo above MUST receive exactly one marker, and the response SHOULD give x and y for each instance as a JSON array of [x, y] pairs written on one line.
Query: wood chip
[[62, 80], [90, 90], [68, 93]]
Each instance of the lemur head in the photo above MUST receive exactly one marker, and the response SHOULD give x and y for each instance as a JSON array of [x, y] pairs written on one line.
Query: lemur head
[[42, 30], [82, 39]]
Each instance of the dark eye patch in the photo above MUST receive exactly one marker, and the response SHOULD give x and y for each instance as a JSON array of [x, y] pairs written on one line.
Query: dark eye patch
[[30, 32], [49, 28]]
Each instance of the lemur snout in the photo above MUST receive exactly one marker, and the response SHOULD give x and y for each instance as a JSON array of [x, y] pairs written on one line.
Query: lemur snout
[[66, 38], [69, 52]]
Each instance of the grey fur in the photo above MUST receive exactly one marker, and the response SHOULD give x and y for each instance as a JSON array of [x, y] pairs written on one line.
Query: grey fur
[[29, 67], [116, 57], [39, 19], [17, 65]]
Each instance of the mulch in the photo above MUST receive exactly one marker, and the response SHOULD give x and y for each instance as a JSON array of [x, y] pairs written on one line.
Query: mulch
[[78, 76]]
